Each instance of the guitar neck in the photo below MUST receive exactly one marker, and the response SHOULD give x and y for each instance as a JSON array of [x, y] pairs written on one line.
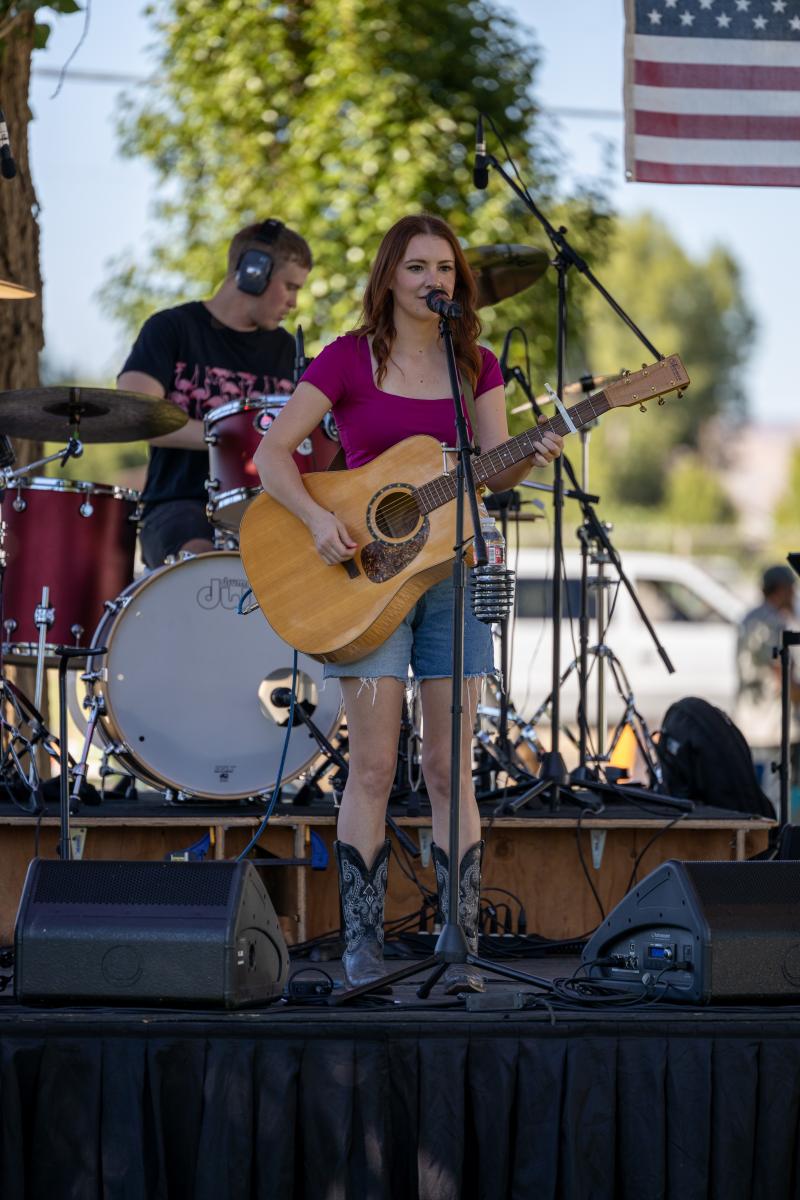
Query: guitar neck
[[443, 489]]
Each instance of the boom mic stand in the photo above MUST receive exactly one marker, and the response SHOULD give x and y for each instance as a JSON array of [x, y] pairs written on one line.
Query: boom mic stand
[[451, 945], [553, 771]]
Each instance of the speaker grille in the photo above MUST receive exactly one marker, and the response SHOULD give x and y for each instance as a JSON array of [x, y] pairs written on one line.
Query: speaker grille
[[195, 885]]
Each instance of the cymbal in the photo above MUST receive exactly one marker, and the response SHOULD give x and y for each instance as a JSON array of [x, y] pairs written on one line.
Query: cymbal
[[504, 270], [50, 414], [13, 291], [584, 385]]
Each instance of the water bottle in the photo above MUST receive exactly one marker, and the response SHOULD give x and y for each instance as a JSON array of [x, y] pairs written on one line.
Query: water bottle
[[492, 584]]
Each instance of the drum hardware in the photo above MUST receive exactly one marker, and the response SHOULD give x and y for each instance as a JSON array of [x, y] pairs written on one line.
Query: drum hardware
[[43, 618], [505, 270], [84, 533], [233, 433], [14, 291], [50, 414], [205, 731]]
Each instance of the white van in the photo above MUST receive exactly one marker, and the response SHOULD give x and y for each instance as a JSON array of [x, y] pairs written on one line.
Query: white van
[[694, 617]]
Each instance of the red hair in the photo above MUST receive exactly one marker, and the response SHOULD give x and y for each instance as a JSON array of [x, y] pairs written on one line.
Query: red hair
[[377, 317]]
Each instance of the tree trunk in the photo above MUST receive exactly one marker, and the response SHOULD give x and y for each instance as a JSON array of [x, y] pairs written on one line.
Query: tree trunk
[[21, 323]]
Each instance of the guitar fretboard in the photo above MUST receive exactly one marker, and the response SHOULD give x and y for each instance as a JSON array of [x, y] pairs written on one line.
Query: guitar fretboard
[[441, 490]]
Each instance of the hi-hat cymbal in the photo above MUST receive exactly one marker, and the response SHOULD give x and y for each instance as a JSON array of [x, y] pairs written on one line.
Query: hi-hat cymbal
[[585, 385], [504, 270], [51, 414], [13, 291]]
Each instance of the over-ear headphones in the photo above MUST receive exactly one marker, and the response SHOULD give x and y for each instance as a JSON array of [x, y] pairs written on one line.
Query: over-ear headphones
[[254, 268]]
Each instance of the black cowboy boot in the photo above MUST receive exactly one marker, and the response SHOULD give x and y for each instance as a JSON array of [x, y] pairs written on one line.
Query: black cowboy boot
[[362, 891], [461, 977]]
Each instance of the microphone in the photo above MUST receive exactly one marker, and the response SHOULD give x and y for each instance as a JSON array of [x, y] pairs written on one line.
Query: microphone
[[504, 368], [300, 360], [480, 172], [440, 303], [8, 168]]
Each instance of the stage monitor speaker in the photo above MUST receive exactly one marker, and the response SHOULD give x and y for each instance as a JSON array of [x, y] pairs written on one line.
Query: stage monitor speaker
[[186, 934], [702, 932]]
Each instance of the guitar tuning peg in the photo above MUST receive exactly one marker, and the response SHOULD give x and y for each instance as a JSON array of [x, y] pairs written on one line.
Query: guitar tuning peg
[[642, 408], [644, 366], [624, 372], [680, 394], [661, 400]]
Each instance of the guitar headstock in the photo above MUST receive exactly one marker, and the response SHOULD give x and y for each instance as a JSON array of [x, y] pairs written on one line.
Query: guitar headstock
[[657, 379]]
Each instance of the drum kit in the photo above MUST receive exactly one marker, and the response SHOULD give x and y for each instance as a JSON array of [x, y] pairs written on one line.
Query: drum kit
[[179, 687]]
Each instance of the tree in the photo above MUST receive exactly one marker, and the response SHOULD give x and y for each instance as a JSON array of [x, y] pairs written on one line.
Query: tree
[[339, 116], [21, 329], [695, 308], [787, 510]]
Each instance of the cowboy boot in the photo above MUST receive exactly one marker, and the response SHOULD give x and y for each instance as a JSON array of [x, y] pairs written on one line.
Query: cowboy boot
[[461, 977], [362, 891]]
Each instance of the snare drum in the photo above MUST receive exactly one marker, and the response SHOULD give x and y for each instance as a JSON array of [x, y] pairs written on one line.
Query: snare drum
[[189, 688], [78, 539], [233, 433]]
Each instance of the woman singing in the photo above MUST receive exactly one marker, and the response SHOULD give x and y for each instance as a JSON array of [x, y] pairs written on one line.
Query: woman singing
[[385, 382]]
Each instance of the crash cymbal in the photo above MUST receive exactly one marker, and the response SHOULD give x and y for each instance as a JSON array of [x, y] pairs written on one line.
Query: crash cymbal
[[13, 291], [504, 270], [51, 414], [584, 385]]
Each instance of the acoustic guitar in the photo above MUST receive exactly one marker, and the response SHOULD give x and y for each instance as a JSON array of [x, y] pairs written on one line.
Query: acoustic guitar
[[398, 509]]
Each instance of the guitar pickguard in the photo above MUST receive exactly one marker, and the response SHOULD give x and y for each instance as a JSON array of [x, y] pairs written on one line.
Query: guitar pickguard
[[381, 560]]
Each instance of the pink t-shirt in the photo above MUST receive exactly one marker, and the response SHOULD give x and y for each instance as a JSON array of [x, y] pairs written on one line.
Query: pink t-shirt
[[370, 420]]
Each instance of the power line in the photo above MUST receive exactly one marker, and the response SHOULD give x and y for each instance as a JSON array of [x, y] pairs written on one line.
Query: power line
[[113, 77]]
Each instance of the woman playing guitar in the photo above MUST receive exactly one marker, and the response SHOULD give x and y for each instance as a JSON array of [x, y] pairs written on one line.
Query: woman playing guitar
[[386, 382]]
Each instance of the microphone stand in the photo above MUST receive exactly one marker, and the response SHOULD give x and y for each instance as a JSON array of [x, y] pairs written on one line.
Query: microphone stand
[[553, 773], [451, 945]]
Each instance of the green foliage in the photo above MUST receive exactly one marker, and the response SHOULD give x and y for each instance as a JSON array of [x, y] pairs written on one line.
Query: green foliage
[[787, 510], [694, 495], [338, 116], [695, 308], [12, 10]]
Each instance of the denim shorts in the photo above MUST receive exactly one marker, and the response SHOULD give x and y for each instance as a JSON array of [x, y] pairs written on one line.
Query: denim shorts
[[424, 642], [168, 526]]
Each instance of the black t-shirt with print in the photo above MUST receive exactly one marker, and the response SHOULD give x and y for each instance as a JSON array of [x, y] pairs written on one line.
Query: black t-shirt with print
[[202, 364]]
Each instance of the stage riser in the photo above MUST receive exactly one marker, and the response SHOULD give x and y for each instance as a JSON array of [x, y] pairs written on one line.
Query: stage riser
[[373, 1109], [536, 861]]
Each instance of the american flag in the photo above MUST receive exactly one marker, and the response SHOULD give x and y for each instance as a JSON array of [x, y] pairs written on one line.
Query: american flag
[[712, 91]]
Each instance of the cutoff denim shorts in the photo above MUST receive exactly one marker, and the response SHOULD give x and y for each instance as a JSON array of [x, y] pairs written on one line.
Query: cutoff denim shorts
[[424, 642]]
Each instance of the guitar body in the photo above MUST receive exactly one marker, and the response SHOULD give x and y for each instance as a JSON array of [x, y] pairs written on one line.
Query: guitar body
[[340, 613]]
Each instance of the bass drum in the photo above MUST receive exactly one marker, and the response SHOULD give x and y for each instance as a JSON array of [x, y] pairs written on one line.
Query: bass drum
[[189, 686]]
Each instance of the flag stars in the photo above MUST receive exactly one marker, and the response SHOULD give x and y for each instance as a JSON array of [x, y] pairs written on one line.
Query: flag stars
[[655, 17], [759, 22], [723, 20], [687, 19], [742, 5], [795, 23], [671, 3], [778, 6], [706, 3]]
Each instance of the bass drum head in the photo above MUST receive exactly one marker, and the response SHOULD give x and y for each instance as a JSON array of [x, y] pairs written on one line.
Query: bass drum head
[[189, 684]]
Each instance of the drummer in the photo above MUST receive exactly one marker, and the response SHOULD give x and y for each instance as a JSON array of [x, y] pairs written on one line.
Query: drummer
[[206, 353]]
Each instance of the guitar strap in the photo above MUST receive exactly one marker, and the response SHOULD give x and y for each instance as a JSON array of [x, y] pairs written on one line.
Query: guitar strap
[[338, 463]]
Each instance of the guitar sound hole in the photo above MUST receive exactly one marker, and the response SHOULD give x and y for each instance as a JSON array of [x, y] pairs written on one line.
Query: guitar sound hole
[[397, 515]]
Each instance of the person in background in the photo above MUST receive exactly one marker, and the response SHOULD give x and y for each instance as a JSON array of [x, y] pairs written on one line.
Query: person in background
[[206, 353], [386, 381], [758, 702]]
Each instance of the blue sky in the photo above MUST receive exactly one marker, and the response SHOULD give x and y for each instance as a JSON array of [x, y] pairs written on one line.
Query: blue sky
[[95, 204]]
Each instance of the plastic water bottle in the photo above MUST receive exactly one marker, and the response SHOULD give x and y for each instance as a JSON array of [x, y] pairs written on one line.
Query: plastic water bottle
[[492, 584]]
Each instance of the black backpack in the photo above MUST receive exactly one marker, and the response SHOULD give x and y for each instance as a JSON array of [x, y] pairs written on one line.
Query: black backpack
[[706, 758]]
